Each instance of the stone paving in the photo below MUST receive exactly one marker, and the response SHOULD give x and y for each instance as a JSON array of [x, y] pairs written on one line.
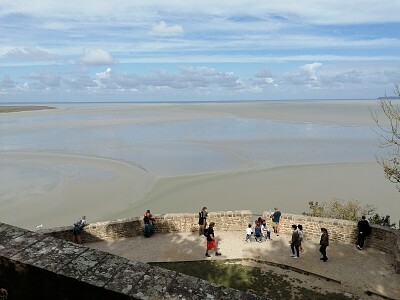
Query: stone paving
[[357, 271]]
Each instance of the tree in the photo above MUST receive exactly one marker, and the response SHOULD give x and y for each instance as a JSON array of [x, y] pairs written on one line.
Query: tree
[[340, 209], [347, 210], [383, 221], [390, 138]]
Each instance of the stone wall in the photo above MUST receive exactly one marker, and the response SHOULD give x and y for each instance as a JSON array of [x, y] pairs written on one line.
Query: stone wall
[[36, 266], [183, 222], [382, 238]]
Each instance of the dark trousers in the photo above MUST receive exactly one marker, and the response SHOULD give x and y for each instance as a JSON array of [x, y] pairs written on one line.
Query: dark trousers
[[322, 249], [295, 247], [361, 239]]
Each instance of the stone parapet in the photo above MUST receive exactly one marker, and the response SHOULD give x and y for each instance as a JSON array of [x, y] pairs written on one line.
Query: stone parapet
[[381, 238], [37, 266], [165, 223]]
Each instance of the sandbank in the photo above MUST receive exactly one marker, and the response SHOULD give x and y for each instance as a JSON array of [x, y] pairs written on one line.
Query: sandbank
[[8, 109]]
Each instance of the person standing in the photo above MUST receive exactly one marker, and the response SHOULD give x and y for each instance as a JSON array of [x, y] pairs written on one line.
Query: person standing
[[77, 230], [203, 214], [363, 231], [148, 223], [324, 242], [301, 235], [211, 240], [275, 219], [295, 242]]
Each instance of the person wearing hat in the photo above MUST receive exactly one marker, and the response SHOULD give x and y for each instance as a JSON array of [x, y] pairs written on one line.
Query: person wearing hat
[[211, 240]]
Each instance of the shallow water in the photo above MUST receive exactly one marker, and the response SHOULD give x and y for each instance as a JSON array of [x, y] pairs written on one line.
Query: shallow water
[[170, 140], [175, 147]]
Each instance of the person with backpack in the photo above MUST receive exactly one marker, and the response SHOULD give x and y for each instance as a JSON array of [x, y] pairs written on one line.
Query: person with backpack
[[211, 240], [77, 229], [363, 231], [202, 220]]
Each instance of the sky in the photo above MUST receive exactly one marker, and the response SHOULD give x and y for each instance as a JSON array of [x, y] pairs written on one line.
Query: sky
[[200, 50]]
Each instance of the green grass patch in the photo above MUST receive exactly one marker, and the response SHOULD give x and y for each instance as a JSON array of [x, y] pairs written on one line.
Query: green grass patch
[[249, 279]]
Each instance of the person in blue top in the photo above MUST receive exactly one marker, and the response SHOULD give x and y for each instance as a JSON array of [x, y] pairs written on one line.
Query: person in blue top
[[275, 219]]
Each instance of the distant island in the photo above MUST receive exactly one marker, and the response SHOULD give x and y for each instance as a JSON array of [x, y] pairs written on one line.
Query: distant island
[[389, 97], [6, 109]]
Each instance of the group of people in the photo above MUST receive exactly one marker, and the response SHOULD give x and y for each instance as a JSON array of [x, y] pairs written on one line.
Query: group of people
[[208, 232], [260, 231], [297, 239]]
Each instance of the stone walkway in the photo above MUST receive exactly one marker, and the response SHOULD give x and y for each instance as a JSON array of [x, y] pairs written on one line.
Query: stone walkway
[[358, 271]]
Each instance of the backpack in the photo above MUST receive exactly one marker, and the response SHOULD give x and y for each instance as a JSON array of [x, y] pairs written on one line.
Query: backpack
[[206, 232], [78, 224]]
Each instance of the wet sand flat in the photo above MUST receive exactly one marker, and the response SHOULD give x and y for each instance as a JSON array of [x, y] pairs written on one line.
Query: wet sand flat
[[110, 161]]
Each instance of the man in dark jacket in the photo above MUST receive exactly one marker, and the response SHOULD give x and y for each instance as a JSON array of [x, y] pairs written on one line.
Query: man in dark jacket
[[203, 214], [324, 242], [363, 231], [295, 242]]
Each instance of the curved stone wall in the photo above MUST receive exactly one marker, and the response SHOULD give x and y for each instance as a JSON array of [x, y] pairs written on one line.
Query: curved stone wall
[[48, 266], [382, 238]]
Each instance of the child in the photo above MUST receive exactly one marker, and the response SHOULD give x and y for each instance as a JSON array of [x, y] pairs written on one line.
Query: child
[[266, 232], [249, 232]]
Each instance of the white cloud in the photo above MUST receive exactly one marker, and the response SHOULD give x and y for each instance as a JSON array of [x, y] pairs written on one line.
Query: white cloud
[[263, 79], [96, 56], [189, 79], [355, 11], [104, 75], [311, 70], [306, 75], [161, 28], [32, 53], [47, 79]]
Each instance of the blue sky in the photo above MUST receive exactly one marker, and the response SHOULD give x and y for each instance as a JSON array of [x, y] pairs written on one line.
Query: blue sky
[[121, 50]]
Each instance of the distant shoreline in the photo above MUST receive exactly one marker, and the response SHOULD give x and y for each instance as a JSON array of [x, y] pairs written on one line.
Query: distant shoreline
[[8, 109]]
